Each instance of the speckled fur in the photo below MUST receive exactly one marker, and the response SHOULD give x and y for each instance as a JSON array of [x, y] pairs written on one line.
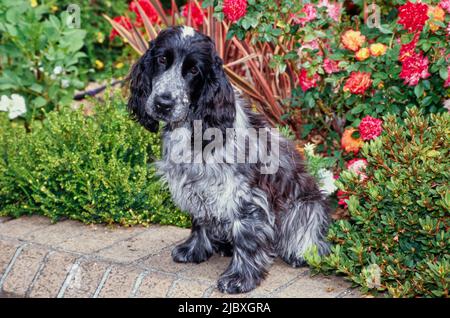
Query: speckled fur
[[236, 209]]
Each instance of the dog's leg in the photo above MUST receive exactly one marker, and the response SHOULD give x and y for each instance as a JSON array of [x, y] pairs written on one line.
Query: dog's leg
[[223, 248], [252, 254], [302, 226], [196, 249]]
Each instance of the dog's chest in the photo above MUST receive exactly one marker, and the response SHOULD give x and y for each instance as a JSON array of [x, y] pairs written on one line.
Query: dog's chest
[[211, 191]]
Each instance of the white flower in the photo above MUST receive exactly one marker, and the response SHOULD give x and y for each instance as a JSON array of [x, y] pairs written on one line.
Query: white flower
[[327, 181], [5, 102], [447, 104], [309, 149], [65, 83], [17, 106], [57, 70]]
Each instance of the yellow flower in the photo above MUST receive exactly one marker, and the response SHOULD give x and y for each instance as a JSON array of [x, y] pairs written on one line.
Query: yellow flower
[[378, 49], [99, 64], [353, 40], [435, 14], [54, 8], [362, 54], [119, 65], [34, 3], [381, 85], [100, 37]]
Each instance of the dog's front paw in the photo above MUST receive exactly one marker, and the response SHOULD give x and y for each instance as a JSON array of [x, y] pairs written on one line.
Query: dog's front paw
[[236, 283], [188, 253]]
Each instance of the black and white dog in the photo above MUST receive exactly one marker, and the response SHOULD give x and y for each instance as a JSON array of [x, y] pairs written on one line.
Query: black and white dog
[[237, 209]]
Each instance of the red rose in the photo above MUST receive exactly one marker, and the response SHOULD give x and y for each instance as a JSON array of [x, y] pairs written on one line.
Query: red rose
[[307, 82], [413, 16], [148, 9], [234, 9], [197, 15], [370, 127], [414, 68], [358, 83]]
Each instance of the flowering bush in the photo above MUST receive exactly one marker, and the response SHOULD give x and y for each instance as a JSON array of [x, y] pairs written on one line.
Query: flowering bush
[[344, 66], [39, 59], [396, 237]]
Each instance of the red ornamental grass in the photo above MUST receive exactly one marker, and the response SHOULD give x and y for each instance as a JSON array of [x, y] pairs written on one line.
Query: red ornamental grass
[[414, 68], [413, 16], [123, 21], [234, 9], [370, 128]]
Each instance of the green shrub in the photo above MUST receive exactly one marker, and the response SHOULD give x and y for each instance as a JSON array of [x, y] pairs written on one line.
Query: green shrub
[[399, 215], [88, 168]]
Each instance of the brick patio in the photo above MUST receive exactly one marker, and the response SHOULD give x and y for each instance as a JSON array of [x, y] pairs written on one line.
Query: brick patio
[[69, 259]]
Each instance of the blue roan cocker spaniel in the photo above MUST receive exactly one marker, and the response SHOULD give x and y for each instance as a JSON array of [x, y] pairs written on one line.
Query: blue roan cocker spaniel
[[250, 210]]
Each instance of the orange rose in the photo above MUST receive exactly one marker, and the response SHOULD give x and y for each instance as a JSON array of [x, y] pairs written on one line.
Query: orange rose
[[358, 83], [350, 144], [362, 54], [435, 14], [377, 49], [353, 40]]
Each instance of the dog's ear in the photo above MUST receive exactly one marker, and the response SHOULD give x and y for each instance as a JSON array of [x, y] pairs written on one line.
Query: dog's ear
[[217, 102], [140, 80]]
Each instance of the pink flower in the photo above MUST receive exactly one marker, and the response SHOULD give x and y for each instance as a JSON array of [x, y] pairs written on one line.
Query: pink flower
[[196, 14], [308, 13], [330, 66], [414, 68], [358, 166], [370, 128], [413, 16], [333, 9], [448, 29], [234, 9], [445, 4], [307, 82]]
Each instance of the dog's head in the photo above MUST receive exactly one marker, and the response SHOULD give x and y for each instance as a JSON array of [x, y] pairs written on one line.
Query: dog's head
[[181, 78]]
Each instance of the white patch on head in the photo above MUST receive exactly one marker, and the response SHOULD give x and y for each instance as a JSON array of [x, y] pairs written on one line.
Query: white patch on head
[[187, 31]]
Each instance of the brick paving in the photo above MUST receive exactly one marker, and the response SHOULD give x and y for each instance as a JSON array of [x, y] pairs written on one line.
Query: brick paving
[[69, 259]]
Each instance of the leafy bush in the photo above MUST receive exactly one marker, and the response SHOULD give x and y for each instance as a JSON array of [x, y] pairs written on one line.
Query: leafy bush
[[39, 56], [399, 211], [107, 57], [88, 168]]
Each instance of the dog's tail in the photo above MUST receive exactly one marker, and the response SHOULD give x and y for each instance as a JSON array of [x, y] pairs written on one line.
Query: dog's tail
[[304, 225]]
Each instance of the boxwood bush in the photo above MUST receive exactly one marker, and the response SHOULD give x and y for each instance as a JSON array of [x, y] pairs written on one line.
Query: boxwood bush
[[397, 237], [91, 168]]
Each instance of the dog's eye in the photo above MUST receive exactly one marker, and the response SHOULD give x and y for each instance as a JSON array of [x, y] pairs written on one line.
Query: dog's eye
[[162, 60], [194, 70]]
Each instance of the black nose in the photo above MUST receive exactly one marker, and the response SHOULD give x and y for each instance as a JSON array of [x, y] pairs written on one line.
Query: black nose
[[164, 103]]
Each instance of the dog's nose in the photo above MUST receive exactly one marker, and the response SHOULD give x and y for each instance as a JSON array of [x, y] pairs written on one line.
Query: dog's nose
[[164, 102]]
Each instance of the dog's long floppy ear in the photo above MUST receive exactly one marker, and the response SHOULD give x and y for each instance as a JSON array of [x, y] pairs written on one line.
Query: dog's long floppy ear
[[140, 80], [217, 102]]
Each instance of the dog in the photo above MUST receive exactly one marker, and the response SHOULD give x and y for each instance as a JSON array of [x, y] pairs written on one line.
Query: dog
[[236, 209]]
